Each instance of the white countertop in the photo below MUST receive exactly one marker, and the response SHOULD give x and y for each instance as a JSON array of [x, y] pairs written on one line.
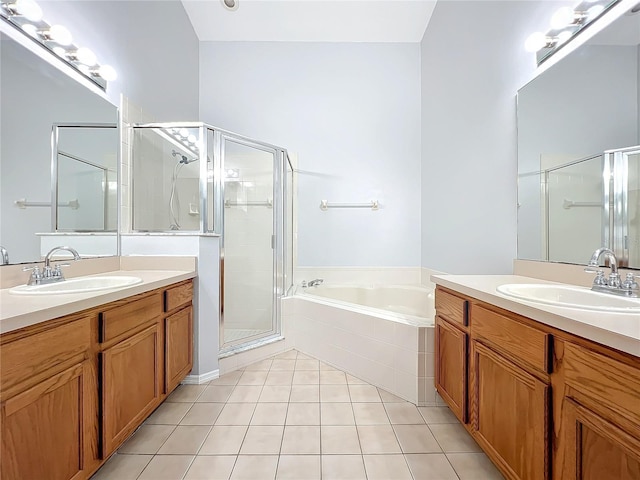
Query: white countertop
[[616, 330], [18, 311]]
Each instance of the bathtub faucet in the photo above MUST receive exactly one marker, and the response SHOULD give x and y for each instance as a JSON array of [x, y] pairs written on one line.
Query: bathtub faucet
[[315, 283]]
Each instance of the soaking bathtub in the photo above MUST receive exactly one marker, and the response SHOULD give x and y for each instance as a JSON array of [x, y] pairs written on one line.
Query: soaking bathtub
[[382, 334]]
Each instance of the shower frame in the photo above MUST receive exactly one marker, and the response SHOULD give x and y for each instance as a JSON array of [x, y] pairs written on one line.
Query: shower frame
[[212, 211]]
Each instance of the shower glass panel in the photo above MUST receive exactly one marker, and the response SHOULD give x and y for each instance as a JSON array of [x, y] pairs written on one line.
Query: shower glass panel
[[249, 293], [626, 206], [166, 179], [574, 208]]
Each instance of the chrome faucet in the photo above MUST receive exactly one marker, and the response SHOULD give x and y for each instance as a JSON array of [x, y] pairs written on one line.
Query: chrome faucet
[[5, 256], [48, 274], [315, 283], [611, 285]]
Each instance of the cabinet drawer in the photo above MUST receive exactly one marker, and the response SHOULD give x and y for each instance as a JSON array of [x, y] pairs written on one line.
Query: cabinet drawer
[[29, 357], [451, 307], [520, 341], [121, 319], [178, 296], [613, 384]]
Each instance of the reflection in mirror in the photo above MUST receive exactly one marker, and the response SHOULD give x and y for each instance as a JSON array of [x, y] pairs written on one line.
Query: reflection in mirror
[[35, 97], [576, 110]]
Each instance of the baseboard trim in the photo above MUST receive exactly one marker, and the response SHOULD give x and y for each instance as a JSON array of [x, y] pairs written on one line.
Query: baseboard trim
[[200, 379]]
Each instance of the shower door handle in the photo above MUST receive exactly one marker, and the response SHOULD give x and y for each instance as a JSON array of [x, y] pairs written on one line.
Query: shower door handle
[[273, 242]]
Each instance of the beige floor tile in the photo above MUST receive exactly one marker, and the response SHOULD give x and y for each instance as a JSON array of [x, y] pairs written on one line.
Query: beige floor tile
[[403, 413], [340, 440], [305, 393], [343, 467], [236, 414], [167, 467], [230, 378], [245, 394], [328, 368], [290, 355], [334, 393], [386, 467], [262, 365], [147, 439], [123, 467], [283, 364], [437, 415], [253, 467], [298, 467], [270, 414], [306, 377], [378, 439], [388, 397], [364, 393], [186, 393], [351, 380], [332, 377], [370, 414], [336, 414], [307, 364], [202, 414], [301, 440], [275, 393], [206, 467], [433, 466], [262, 440], [169, 413], [185, 440], [304, 356], [416, 439], [223, 440], [216, 393], [284, 377], [453, 438], [474, 466], [253, 378], [303, 414]]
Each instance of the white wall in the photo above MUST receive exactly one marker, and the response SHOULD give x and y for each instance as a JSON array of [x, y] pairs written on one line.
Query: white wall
[[473, 62], [352, 114]]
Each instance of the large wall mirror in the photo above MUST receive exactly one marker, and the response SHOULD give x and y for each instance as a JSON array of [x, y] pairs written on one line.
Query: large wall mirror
[[573, 197], [59, 145]]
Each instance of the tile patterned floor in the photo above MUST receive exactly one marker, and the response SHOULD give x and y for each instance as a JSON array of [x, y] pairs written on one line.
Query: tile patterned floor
[[293, 417]]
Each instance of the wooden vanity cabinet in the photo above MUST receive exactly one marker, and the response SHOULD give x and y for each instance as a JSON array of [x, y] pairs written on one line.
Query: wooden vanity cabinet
[[74, 388], [543, 403]]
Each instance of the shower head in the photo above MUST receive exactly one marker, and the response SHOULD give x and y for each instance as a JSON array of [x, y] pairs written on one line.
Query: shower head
[[183, 158]]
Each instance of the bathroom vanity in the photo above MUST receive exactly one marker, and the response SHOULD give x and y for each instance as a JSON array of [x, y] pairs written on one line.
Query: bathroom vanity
[[74, 387], [547, 392]]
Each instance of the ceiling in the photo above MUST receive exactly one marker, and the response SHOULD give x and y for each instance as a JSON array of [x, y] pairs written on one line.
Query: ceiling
[[311, 20]]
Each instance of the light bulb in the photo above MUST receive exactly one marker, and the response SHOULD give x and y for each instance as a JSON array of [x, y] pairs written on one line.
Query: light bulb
[[30, 29], [184, 133], [107, 72], [535, 42], [59, 34], [563, 37], [61, 52], [86, 56], [28, 9], [563, 17], [594, 11], [192, 138]]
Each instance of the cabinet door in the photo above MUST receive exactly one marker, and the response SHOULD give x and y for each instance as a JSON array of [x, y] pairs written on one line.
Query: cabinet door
[[178, 357], [131, 372], [451, 367], [596, 449], [510, 415], [44, 428]]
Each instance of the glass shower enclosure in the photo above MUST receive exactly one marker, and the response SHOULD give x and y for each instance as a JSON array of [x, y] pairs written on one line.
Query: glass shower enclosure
[[198, 179]]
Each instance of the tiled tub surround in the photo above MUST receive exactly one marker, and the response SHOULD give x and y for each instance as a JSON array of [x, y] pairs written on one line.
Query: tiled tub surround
[[390, 350], [293, 417]]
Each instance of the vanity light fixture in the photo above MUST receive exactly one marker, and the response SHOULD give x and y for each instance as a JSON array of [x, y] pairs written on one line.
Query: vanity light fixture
[[565, 23], [26, 16]]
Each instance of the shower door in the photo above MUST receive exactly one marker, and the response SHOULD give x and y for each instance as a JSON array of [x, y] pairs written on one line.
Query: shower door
[[249, 265]]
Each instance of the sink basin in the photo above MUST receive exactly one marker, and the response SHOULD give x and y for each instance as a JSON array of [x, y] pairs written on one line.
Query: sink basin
[[570, 297], [77, 285]]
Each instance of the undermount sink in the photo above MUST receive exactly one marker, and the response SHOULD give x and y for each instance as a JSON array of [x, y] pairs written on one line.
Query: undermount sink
[[570, 297], [78, 285]]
